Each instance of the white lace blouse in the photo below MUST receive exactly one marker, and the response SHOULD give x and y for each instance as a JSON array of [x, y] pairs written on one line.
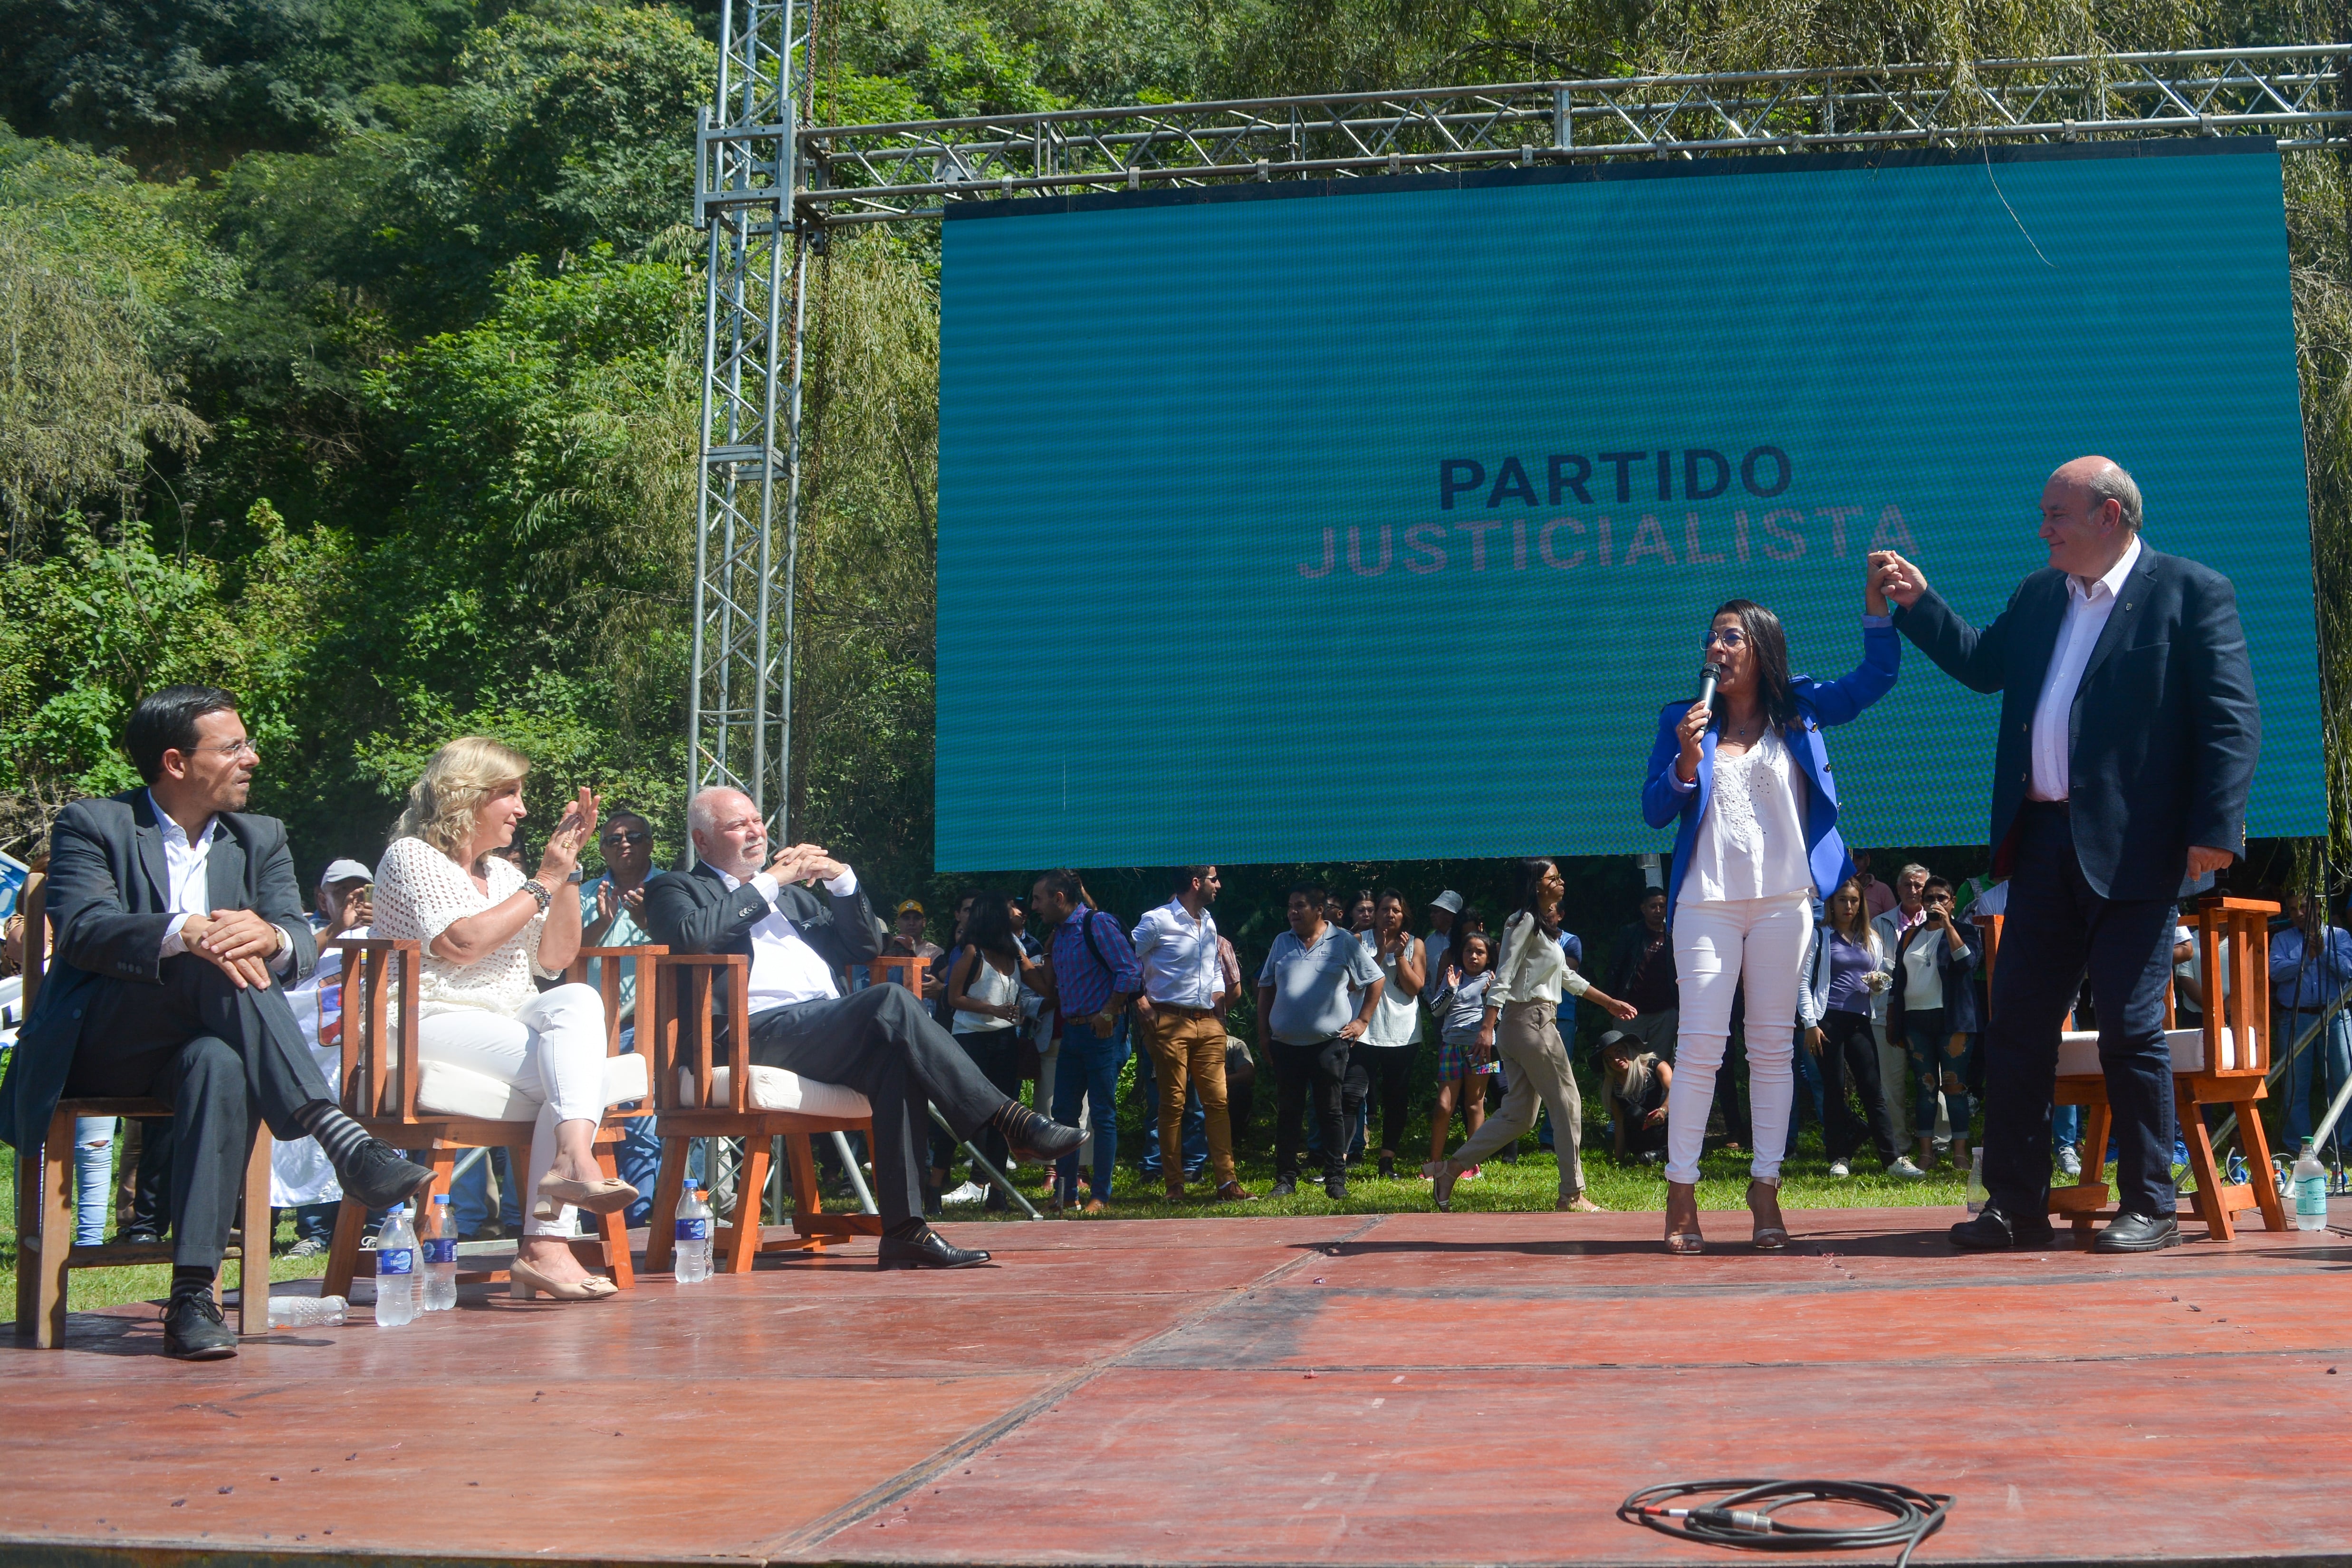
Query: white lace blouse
[[1752, 839], [421, 892]]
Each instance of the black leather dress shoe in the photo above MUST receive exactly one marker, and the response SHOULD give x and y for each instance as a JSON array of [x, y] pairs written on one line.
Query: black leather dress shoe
[[1996, 1232], [380, 1175], [195, 1331], [2138, 1233], [1033, 1137], [928, 1250]]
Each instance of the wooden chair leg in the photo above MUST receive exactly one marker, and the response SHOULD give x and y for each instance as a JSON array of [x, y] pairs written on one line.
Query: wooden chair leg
[[253, 1247], [808, 1198], [28, 1233], [344, 1252], [2212, 1203], [750, 1192], [2097, 1123], [661, 1225], [2257, 1146], [615, 1226], [58, 1219], [518, 1167]]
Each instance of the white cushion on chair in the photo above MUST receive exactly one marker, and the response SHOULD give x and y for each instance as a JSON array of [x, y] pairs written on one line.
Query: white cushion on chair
[[777, 1089], [446, 1090], [2078, 1052]]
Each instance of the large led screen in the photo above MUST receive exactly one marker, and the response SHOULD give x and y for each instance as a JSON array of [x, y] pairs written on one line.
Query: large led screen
[[1377, 520]]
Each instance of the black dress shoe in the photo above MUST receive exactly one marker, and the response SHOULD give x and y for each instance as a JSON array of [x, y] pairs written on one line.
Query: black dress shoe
[[2130, 1232], [194, 1330], [1334, 1188], [140, 1235], [1033, 1137], [1996, 1232], [928, 1250], [380, 1175], [1285, 1187]]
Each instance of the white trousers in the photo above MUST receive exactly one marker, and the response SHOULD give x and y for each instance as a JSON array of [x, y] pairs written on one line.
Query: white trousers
[[552, 1050], [1757, 943]]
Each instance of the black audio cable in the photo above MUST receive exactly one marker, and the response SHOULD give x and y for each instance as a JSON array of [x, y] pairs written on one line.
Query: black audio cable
[[1743, 1518]]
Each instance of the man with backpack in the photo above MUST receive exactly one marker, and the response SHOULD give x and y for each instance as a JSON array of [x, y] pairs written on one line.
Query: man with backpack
[[1096, 977]]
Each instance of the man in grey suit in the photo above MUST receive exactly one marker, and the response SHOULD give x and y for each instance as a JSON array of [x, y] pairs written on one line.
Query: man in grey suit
[[178, 923], [881, 1041]]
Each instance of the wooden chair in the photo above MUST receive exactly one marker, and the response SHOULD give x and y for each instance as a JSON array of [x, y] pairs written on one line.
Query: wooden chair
[[2224, 1061], [47, 1211], [701, 1097], [382, 1075]]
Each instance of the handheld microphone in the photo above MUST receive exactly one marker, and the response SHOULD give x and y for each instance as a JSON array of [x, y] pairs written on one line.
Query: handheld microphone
[[1709, 672]]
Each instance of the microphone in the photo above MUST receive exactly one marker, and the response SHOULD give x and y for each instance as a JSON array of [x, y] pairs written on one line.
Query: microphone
[[1709, 672]]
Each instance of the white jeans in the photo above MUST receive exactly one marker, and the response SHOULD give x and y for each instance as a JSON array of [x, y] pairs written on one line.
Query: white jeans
[[1719, 947], [552, 1050]]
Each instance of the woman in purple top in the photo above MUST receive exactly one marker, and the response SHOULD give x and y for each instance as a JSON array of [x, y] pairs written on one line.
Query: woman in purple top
[[1845, 968]]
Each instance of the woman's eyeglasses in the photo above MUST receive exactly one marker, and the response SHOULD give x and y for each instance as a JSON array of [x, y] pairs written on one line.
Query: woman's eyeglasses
[[1726, 636]]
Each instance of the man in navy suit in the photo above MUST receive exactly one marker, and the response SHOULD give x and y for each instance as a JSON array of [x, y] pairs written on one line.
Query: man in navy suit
[[178, 927], [2128, 735]]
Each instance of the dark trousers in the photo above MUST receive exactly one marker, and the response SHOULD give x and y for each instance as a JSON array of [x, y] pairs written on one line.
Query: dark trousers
[[220, 1057], [2058, 931], [1388, 1073], [1327, 1069], [997, 1053], [884, 1044], [1850, 1060]]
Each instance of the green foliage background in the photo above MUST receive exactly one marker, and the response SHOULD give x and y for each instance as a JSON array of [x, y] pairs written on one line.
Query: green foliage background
[[351, 352]]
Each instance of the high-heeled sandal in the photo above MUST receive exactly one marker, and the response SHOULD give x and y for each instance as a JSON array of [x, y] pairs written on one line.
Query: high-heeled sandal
[[524, 1282], [1767, 1237], [606, 1194], [1684, 1243]]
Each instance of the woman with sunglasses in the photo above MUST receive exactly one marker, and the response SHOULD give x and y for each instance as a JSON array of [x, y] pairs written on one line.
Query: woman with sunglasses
[[1746, 779]]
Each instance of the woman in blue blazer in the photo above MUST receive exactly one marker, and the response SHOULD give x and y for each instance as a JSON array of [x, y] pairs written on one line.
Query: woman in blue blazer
[[1748, 780]]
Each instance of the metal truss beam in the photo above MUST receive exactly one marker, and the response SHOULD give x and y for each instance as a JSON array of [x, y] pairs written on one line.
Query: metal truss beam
[[738, 724], [885, 173]]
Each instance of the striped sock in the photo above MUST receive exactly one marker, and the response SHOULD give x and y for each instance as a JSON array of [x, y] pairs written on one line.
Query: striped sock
[[337, 1133]]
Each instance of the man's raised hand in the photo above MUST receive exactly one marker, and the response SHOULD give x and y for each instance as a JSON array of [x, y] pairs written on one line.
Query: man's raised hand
[[1898, 578], [805, 862]]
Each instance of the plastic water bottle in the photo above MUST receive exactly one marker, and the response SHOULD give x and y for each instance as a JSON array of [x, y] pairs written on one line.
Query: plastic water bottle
[[306, 1312], [693, 1248], [440, 1257], [2310, 1186], [1976, 1195], [395, 1271]]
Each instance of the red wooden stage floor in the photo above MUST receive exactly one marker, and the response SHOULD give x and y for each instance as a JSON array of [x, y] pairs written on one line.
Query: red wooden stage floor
[[1413, 1389]]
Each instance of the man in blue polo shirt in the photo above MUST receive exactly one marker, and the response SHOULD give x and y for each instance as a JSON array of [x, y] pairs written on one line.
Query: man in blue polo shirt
[[1314, 998]]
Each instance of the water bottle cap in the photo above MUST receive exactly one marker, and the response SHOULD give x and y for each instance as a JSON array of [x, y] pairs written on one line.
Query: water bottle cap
[[440, 1198]]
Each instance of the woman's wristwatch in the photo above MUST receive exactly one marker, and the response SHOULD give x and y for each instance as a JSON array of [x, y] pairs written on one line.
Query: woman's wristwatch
[[539, 893]]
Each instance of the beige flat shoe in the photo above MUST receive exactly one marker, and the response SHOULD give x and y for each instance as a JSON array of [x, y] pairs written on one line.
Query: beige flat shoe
[[524, 1282], [606, 1194], [1580, 1204]]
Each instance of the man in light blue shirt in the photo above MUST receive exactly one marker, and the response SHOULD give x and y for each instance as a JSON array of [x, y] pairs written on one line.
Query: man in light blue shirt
[[1315, 999]]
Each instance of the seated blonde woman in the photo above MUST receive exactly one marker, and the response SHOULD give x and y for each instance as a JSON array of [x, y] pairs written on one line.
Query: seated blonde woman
[[485, 931]]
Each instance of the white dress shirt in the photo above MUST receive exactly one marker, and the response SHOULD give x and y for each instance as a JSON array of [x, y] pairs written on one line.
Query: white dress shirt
[[786, 970], [187, 890], [1179, 953], [2088, 609]]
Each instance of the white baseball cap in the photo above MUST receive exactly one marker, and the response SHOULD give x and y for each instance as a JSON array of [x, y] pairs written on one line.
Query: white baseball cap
[[345, 870], [1449, 901]]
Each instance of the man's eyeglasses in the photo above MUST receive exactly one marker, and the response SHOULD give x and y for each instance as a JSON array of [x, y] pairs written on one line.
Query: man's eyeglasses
[[626, 838], [239, 747], [1727, 636]]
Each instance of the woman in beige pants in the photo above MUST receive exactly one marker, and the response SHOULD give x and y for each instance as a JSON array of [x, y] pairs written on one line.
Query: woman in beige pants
[[1521, 1025]]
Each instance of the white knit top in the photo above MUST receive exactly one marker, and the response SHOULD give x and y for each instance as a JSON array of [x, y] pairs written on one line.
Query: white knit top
[[1751, 842], [421, 892]]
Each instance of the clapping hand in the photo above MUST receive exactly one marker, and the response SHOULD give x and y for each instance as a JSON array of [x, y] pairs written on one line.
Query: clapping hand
[[562, 856]]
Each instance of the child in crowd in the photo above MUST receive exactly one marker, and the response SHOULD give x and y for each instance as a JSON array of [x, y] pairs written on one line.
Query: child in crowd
[[1459, 1000]]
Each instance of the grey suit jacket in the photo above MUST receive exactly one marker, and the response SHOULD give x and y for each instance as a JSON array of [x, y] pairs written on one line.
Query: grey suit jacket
[[108, 892]]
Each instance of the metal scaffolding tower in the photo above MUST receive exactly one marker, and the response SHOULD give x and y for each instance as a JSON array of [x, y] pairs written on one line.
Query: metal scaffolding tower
[[764, 189]]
